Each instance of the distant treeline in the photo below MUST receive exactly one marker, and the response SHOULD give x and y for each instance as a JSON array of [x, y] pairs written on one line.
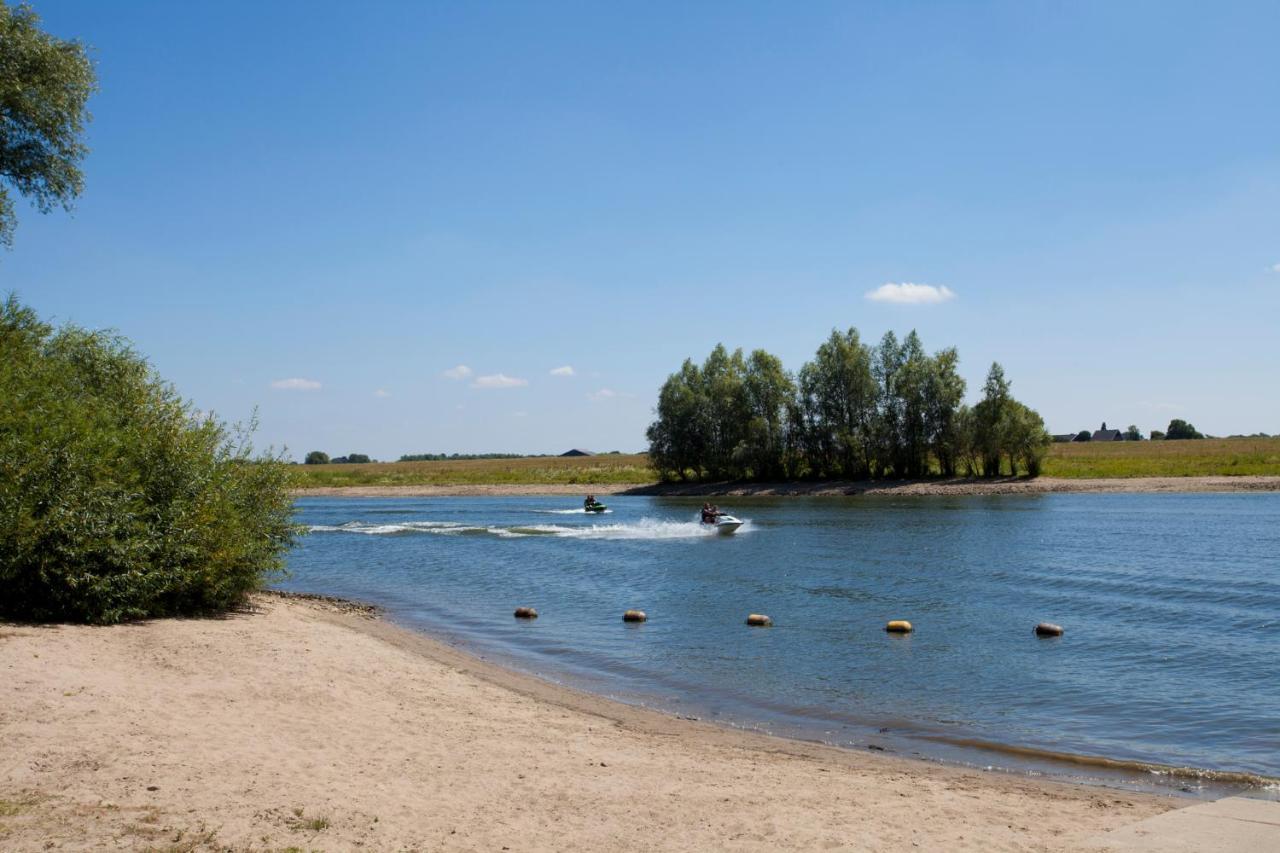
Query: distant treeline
[[856, 412], [319, 457], [444, 457]]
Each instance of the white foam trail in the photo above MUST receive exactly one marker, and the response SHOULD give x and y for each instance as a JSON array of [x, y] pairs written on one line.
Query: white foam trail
[[645, 528], [570, 512], [371, 529]]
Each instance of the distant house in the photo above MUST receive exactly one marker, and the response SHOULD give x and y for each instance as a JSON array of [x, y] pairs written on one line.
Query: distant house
[[577, 452], [1105, 434], [1062, 439]]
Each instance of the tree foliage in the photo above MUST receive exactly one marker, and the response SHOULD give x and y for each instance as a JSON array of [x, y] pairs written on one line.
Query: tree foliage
[[854, 411], [45, 84], [316, 457], [117, 499], [1180, 429]]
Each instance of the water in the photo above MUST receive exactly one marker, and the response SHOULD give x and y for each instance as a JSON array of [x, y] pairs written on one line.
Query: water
[[1171, 605]]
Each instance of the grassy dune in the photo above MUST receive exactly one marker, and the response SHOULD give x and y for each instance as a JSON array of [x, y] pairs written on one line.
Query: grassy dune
[[602, 470], [1208, 458], [1213, 457]]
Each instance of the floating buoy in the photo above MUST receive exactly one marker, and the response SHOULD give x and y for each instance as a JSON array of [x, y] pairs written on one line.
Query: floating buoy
[[759, 620], [634, 616], [899, 626], [526, 613], [1048, 629]]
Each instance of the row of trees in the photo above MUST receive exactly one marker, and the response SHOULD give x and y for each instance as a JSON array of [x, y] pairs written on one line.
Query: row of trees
[[319, 457], [856, 411]]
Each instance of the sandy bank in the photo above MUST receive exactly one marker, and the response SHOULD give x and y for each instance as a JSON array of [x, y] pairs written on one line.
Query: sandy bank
[[959, 486], [304, 725]]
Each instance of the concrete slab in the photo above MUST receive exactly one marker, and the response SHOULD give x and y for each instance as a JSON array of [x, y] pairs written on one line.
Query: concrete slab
[[1232, 823]]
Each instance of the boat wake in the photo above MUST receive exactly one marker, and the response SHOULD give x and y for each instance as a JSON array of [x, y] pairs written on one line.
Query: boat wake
[[571, 512], [645, 528]]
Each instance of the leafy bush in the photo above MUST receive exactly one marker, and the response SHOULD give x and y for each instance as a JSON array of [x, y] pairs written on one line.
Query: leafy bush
[[117, 499], [317, 457]]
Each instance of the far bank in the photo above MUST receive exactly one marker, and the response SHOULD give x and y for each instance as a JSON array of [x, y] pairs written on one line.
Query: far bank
[[890, 488]]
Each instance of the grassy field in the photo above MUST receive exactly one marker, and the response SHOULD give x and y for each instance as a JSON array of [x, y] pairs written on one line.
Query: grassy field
[[1086, 460], [1211, 457], [602, 470]]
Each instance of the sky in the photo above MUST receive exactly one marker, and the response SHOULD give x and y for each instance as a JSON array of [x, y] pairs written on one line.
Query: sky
[[396, 227]]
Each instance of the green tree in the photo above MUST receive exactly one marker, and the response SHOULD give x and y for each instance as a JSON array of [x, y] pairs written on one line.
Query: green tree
[[944, 395], [1083, 435], [768, 390], [317, 457], [1157, 435], [1024, 439], [1179, 430], [679, 438], [989, 419], [117, 499], [1133, 433], [45, 84], [727, 415], [837, 407]]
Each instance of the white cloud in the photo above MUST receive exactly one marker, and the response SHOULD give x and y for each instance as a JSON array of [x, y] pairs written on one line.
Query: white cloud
[[1275, 267], [499, 380], [562, 371], [520, 414], [382, 392], [603, 394], [459, 372], [911, 294], [296, 385]]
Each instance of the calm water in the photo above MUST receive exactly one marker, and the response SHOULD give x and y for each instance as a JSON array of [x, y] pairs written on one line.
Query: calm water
[[1171, 605]]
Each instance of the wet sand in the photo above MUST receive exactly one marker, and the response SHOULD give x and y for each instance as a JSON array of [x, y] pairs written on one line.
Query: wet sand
[[305, 723], [958, 486]]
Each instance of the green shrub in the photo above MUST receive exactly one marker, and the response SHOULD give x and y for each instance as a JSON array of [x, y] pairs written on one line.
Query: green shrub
[[117, 499]]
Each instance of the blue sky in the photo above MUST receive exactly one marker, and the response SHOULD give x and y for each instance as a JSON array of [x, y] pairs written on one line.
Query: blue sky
[[363, 197]]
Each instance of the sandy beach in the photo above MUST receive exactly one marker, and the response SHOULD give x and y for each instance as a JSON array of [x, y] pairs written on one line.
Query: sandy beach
[[312, 725], [959, 486]]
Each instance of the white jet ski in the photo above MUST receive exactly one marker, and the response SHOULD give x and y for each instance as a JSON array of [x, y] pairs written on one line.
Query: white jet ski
[[724, 523]]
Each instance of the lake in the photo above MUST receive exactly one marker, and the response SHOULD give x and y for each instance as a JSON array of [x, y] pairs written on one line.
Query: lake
[[1171, 605]]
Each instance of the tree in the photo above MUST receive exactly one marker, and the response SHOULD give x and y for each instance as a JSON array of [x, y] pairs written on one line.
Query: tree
[[837, 407], [1083, 435], [45, 84], [1180, 429], [1157, 435], [989, 418], [1132, 433], [1024, 439], [117, 499], [678, 439], [317, 457], [769, 390]]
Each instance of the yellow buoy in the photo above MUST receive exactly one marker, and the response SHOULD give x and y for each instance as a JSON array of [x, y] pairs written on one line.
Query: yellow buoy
[[1048, 629], [526, 613], [759, 620], [899, 626], [634, 616]]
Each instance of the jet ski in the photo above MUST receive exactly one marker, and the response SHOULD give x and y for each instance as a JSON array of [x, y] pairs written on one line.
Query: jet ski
[[724, 523], [595, 507]]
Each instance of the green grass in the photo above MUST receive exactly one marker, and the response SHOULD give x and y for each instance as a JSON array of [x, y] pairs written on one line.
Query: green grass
[[606, 469], [1212, 457]]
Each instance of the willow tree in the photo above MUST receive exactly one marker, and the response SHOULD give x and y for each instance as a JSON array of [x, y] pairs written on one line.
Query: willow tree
[[45, 84]]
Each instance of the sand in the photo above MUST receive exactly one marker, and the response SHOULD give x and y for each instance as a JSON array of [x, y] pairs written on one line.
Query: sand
[[958, 486], [303, 725]]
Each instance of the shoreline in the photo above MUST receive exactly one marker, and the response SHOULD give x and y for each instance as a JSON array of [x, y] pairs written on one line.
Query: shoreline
[[960, 486], [348, 697], [509, 676]]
